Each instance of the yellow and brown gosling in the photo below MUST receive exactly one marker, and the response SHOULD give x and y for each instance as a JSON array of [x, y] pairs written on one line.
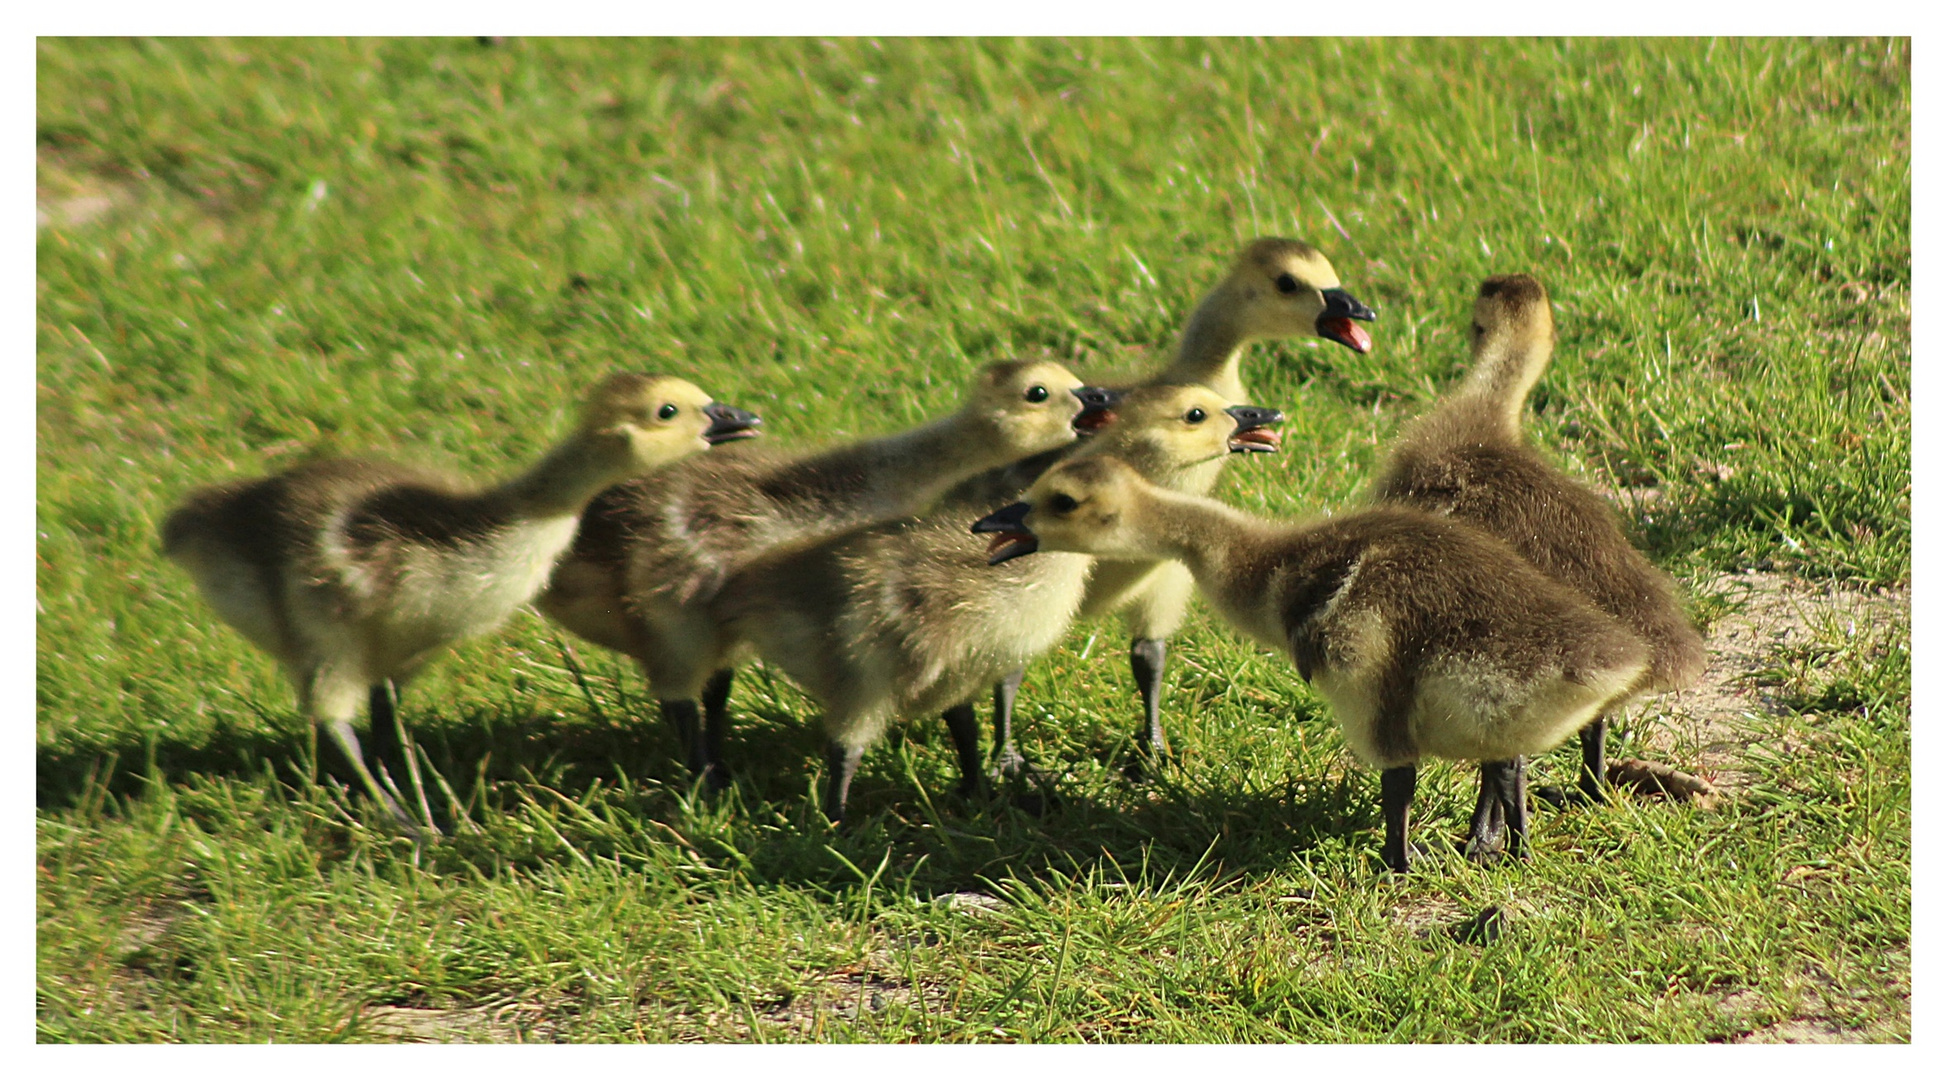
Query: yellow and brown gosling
[[1275, 288], [353, 573], [1425, 634], [652, 552], [906, 618], [1468, 458]]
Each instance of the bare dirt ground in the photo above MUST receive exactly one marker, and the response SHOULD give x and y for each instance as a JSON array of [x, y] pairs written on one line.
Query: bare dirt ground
[[1707, 728], [71, 196], [848, 994], [518, 1022], [1815, 1020]]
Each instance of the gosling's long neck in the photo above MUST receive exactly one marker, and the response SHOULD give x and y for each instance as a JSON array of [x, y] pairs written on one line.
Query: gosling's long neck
[[1216, 542], [1506, 367], [560, 485], [1210, 348], [897, 474]]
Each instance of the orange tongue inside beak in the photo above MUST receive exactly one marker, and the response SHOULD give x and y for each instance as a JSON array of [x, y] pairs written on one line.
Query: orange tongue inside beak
[[1347, 333], [1265, 437], [1094, 419], [1010, 544], [1001, 540]]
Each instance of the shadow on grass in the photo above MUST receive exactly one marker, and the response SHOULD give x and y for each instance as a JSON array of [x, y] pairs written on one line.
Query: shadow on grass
[[549, 792], [508, 747], [1736, 524]]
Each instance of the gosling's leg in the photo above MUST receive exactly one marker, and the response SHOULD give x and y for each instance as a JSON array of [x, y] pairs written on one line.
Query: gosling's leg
[[1595, 763], [1514, 804], [1008, 760], [346, 740], [1595, 768], [960, 724], [383, 702], [331, 703], [716, 727], [841, 763], [1396, 798], [1501, 816], [682, 715], [1485, 831], [1146, 657], [392, 746]]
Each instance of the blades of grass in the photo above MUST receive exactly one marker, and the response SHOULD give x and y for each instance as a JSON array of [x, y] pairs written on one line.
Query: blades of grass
[[453, 805], [932, 812], [572, 661], [1054, 981], [538, 815], [410, 749]]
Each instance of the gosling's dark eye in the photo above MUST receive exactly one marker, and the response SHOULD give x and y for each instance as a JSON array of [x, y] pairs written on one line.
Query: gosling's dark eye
[[667, 412], [1037, 394], [1062, 504], [1479, 329], [1287, 283], [1194, 416]]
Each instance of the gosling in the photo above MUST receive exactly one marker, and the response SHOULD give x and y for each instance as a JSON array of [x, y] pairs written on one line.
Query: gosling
[[1468, 458], [906, 618], [1425, 634], [652, 552], [354, 573], [1276, 288]]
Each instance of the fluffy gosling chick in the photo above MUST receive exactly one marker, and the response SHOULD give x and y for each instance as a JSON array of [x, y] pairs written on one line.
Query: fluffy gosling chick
[[906, 618], [1467, 457], [1424, 634], [354, 573], [652, 552]]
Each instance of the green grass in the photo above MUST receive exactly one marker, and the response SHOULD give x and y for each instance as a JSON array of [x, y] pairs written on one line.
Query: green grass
[[427, 248]]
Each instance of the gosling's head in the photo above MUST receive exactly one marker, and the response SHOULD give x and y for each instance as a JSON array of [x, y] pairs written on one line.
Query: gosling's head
[[653, 420], [1512, 310], [1085, 505], [1285, 288], [1165, 428], [1033, 405]]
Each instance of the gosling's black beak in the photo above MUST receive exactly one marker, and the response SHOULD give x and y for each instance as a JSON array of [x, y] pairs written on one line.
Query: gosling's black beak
[[1335, 322], [728, 424], [1014, 539], [1098, 408], [1340, 304], [1254, 434]]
